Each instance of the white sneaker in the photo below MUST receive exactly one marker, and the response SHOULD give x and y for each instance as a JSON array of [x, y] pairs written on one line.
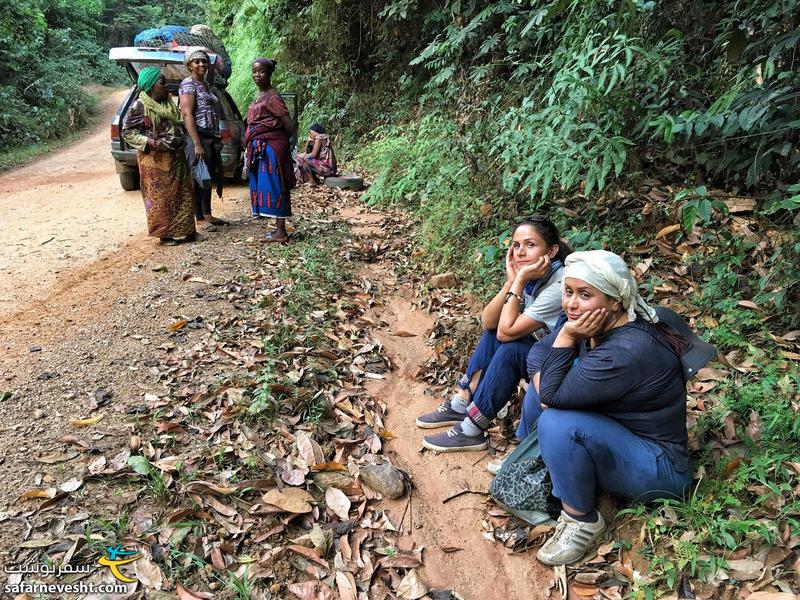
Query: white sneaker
[[571, 540], [494, 466]]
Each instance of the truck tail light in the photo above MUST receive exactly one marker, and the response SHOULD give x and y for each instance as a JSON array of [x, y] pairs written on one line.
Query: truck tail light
[[115, 128], [225, 134]]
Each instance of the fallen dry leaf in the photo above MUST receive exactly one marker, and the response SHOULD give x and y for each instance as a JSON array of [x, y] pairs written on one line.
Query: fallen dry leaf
[[71, 485], [30, 494], [346, 586], [177, 325], [329, 466], [311, 590], [667, 230], [86, 422], [411, 586], [185, 594], [149, 573], [338, 502], [293, 500]]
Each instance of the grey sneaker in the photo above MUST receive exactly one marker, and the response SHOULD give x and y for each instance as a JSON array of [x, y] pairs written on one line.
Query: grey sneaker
[[571, 540], [455, 440], [443, 416]]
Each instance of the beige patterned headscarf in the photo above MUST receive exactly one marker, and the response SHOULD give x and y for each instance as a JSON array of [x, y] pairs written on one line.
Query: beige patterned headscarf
[[608, 273], [194, 52]]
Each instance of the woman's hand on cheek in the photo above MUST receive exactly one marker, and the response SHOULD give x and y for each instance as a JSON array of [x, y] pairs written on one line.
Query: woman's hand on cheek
[[588, 325], [511, 267], [535, 271]]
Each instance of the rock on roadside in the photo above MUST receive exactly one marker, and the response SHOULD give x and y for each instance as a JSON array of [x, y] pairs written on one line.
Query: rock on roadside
[[443, 280], [388, 481]]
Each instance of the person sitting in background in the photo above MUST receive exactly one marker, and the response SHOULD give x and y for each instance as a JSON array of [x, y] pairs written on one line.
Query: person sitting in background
[[153, 127], [524, 310], [608, 391], [319, 159]]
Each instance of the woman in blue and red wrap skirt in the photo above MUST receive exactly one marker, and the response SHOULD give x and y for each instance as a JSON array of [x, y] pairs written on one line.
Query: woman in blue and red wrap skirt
[[268, 156]]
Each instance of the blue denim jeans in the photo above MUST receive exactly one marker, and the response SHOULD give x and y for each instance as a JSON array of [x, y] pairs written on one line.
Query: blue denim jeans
[[502, 365], [531, 409], [585, 451]]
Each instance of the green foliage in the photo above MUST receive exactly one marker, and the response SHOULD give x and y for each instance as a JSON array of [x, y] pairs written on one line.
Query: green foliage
[[251, 34], [740, 501], [739, 116], [53, 48]]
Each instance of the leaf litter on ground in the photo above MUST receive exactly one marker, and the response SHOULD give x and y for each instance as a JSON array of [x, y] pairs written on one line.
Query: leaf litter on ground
[[223, 478]]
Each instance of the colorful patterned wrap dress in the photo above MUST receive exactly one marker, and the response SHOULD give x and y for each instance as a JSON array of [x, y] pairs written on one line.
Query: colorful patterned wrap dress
[[269, 160], [164, 177], [311, 170]]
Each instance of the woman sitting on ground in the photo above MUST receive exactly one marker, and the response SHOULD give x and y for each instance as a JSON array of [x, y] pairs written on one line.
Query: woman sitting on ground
[[153, 127], [524, 310], [609, 389], [319, 159]]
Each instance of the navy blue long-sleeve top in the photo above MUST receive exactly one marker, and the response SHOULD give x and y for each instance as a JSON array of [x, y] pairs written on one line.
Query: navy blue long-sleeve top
[[631, 376]]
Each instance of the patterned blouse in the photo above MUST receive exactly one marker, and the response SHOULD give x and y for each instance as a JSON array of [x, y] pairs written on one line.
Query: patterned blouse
[[206, 104], [136, 128], [267, 110]]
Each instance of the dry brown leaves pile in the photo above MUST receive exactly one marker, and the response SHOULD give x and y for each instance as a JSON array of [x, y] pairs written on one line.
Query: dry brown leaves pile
[[225, 501]]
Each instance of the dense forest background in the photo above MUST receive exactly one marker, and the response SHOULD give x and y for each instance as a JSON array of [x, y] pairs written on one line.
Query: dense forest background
[[665, 131], [51, 49], [473, 113]]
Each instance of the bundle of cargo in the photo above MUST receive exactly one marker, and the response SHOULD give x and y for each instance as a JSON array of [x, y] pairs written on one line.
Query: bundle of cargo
[[180, 38]]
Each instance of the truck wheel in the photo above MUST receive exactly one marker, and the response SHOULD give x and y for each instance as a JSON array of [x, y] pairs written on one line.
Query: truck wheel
[[129, 180]]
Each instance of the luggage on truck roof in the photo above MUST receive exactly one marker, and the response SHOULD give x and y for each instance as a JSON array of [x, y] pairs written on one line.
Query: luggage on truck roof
[[178, 37], [159, 36]]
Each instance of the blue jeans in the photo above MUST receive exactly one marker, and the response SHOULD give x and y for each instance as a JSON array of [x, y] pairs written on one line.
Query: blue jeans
[[531, 409], [502, 365], [584, 451]]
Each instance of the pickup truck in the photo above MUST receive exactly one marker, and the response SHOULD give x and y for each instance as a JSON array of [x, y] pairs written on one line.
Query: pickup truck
[[232, 126]]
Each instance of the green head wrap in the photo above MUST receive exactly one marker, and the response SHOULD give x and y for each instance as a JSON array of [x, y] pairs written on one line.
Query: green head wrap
[[147, 78]]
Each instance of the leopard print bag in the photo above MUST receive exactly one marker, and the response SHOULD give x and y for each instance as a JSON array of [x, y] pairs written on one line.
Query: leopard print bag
[[523, 486]]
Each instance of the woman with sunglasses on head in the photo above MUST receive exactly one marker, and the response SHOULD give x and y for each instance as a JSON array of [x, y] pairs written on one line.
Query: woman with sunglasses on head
[[200, 108], [153, 127], [608, 391], [268, 158], [525, 309]]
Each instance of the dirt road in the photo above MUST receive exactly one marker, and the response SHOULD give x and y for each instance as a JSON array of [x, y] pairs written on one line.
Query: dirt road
[[63, 212], [86, 302]]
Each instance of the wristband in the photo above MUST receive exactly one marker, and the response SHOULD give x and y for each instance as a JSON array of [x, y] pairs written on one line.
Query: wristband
[[517, 296]]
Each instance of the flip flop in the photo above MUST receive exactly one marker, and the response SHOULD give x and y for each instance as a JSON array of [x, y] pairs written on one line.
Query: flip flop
[[268, 238], [167, 242]]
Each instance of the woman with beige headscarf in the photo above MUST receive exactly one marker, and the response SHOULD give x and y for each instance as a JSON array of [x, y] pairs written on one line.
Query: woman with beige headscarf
[[200, 108], [613, 401]]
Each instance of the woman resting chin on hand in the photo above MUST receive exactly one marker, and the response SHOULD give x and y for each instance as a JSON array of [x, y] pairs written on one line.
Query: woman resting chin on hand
[[608, 392], [523, 311]]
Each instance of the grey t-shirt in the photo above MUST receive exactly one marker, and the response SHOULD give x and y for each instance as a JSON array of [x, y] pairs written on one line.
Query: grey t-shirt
[[546, 307]]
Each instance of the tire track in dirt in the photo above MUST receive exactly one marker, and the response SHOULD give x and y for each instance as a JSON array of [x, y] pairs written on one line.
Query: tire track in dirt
[[62, 212]]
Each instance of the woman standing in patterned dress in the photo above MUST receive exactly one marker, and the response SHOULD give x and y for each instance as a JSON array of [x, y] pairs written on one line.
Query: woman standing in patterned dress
[[200, 108], [268, 158], [153, 127]]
